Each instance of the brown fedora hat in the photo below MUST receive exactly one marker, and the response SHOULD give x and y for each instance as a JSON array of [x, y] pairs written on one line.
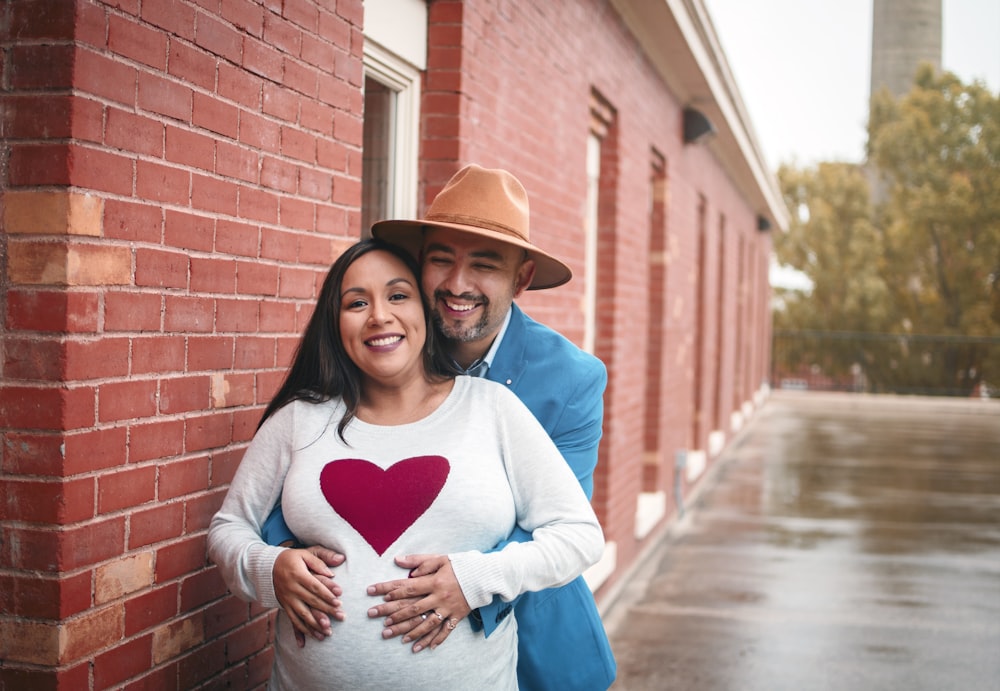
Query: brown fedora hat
[[490, 203]]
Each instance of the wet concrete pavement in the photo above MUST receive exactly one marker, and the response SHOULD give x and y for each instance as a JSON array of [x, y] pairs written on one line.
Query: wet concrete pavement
[[840, 542]]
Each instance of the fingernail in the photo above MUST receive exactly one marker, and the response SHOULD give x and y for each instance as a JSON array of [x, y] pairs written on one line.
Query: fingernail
[[373, 612], [406, 639], [417, 648], [386, 633], [371, 590]]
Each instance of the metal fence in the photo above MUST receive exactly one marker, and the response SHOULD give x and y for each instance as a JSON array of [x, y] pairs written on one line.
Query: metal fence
[[864, 362]]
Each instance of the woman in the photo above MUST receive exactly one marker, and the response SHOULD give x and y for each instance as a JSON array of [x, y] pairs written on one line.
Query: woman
[[375, 449]]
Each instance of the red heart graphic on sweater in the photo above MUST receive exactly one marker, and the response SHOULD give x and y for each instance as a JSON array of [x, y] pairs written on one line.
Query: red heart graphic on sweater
[[382, 504]]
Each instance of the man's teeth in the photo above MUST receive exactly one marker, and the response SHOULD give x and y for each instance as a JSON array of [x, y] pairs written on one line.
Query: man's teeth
[[460, 308], [388, 340]]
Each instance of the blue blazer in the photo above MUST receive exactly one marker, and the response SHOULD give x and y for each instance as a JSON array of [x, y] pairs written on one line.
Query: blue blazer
[[562, 644]]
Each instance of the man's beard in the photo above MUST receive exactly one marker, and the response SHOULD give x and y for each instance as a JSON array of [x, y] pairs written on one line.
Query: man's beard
[[462, 333]]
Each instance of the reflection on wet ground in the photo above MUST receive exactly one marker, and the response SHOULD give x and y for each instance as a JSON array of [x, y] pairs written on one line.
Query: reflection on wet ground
[[842, 542]]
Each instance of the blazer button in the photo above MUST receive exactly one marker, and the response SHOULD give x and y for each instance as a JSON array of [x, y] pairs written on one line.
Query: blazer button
[[508, 382]]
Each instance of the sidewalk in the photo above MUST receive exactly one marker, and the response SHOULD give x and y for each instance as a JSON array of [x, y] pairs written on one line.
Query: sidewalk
[[842, 542]]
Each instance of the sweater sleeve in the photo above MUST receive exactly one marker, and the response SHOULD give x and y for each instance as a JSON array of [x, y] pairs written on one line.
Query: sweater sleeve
[[550, 504], [245, 561]]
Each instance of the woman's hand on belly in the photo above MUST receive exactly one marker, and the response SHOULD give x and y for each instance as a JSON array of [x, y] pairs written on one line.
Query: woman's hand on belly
[[304, 585], [426, 607]]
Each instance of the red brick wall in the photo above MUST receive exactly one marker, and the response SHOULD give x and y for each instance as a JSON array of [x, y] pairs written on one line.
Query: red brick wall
[[176, 178], [524, 74]]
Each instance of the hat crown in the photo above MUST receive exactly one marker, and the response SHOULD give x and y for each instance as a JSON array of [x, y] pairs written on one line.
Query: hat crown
[[490, 199]]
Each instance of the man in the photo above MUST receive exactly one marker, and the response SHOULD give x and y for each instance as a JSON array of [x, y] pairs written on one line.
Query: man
[[476, 259]]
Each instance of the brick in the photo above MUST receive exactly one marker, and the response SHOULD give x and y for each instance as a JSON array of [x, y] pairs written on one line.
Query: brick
[[184, 394], [192, 65], [43, 597], [140, 43], [277, 317], [68, 548], [296, 213], [156, 524], [229, 390], [317, 117], [235, 161], [318, 250], [227, 615], [182, 477], [245, 15], [176, 637], [225, 462], [319, 185], [41, 20], [254, 352], [191, 149], [215, 115], [131, 221], [123, 576], [218, 38], [47, 263], [126, 660], [261, 59], [157, 354], [33, 359], [45, 679], [40, 66], [91, 25], [301, 77], [32, 642], [164, 97], [336, 92], [282, 34], [126, 400], [175, 16], [32, 454], [259, 133], [253, 278], [36, 165], [160, 268], [126, 488], [82, 636], [202, 663], [209, 353], [298, 144], [51, 213], [207, 432], [93, 450], [97, 358], [279, 245], [181, 557], [189, 231], [279, 174], [201, 588], [102, 76], [150, 609], [33, 116], [280, 102], [239, 316], [245, 420], [257, 205], [162, 183], [213, 275], [212, 194], [296, 283], [237, 238], [100, 170], [55, 502], [240, 86], [189, 314], [156, 440], [137, 312], [37, 408]]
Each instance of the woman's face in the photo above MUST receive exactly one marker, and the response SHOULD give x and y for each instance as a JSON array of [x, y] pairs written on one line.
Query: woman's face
[[382, 322]]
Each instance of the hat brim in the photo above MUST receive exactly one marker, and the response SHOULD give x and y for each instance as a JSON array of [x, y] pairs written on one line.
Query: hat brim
[[549, 271]]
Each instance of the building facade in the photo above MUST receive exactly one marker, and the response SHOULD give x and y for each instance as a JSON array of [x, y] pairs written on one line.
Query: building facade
[[177, 177]]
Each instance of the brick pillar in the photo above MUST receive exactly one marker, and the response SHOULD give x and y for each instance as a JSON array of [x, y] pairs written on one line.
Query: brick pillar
[[175, 180]]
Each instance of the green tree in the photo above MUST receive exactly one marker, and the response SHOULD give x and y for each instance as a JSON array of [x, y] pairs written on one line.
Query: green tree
[[905, 249], [937, 156]]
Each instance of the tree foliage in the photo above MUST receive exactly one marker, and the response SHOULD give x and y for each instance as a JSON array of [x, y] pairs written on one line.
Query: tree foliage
[[907, 245]]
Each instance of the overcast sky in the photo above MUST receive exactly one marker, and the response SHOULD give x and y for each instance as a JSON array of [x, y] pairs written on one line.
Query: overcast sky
[[803, 68]]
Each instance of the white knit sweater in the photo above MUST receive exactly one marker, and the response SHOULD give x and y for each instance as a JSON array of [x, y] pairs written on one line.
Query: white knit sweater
[[453, 483]]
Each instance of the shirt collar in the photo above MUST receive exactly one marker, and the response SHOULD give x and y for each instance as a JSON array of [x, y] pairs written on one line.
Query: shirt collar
[[480, 367]]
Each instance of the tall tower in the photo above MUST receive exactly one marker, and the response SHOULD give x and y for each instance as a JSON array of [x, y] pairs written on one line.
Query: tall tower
[[904, 34]]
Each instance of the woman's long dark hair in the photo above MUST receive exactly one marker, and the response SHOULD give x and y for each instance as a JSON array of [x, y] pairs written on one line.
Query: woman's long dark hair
[[322, 369]]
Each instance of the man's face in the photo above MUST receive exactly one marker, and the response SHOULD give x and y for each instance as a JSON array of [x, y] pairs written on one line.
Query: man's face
[[471, 283]]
